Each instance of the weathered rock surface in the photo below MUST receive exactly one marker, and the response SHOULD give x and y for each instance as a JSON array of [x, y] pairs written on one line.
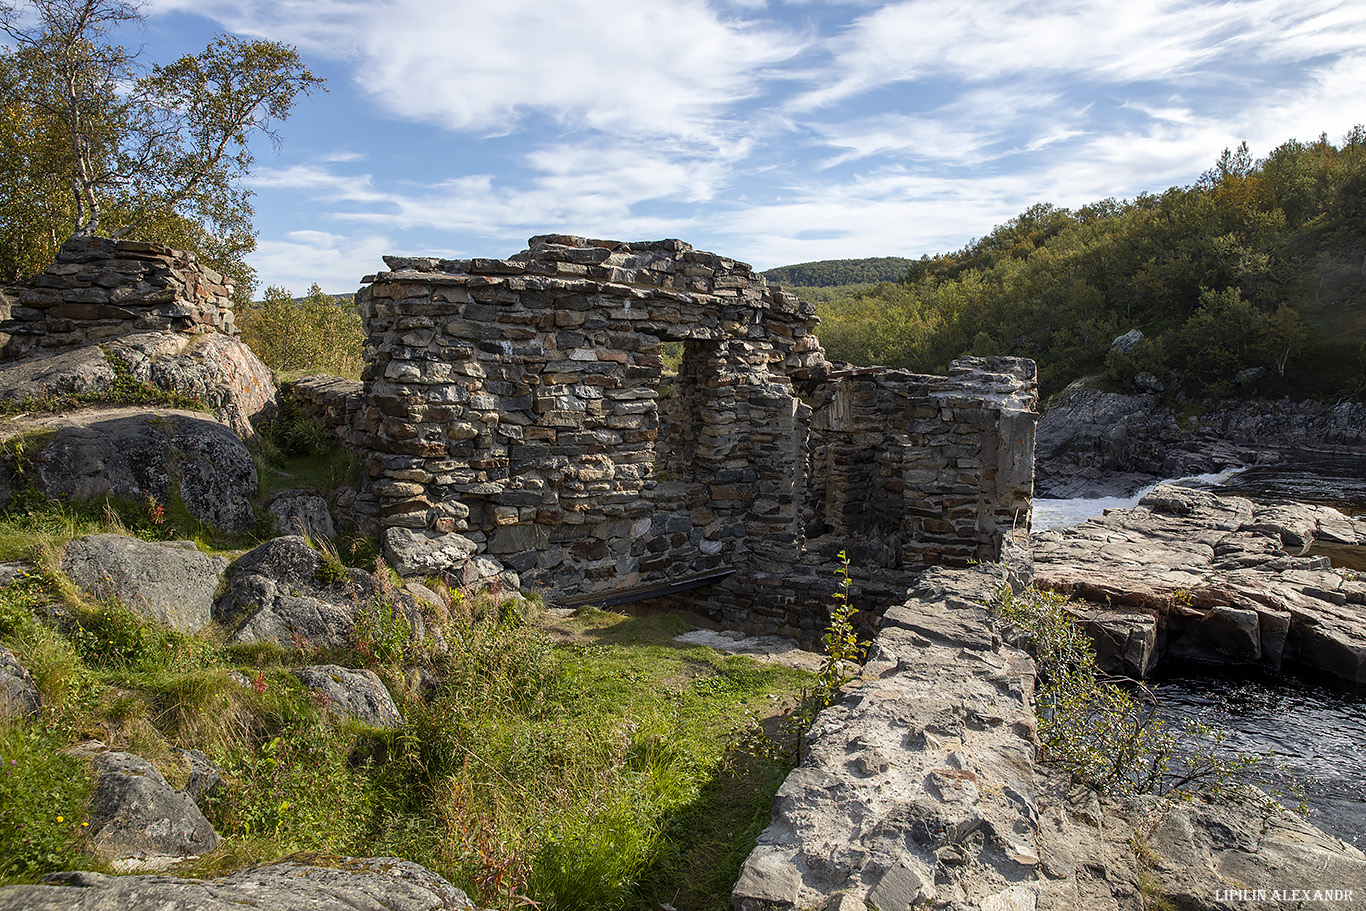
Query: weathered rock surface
[[130, 453], [428, 553], [918, 785], [351, 693], [18, 695], [279, 593], [920, 789], [302, 512], [172, 583], [340, 884], [205, 779], [138, 821], [1213, 579], [1093, 443], [220, 371]]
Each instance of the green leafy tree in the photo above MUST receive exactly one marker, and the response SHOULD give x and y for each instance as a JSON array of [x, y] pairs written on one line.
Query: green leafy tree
[[318, 334], [159, 151]]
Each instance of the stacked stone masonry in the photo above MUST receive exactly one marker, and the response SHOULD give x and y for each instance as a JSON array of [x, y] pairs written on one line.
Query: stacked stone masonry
[[100, 289], [523, 404]]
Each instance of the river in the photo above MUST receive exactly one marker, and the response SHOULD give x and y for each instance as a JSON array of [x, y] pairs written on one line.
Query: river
[[1317, 728]]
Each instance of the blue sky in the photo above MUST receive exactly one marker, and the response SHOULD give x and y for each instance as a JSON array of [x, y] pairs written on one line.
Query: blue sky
[[774, 132]]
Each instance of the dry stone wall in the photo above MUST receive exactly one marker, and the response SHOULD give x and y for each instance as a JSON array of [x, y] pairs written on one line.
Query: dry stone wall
[[100, 289], [519, 410]]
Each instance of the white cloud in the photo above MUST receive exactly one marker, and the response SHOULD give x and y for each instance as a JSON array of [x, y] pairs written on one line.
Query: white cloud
[[335, 262], [657, 67]]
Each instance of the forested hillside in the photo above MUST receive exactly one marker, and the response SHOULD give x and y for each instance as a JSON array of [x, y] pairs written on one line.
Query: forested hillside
[[830, 272], [1257, 267]]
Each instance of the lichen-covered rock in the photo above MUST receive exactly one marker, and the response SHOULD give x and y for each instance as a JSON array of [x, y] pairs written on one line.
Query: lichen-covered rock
[[331, 884], [220, 371], [351, 693], [136, 452], [302, 512], [18, 695], [138, 821], [172, 583], [283, 592]]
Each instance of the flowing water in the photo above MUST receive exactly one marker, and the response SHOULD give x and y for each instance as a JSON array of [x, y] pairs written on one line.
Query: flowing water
[[1316, 727]]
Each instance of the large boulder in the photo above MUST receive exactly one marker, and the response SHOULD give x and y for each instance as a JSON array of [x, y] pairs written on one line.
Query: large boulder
[[138, 821], [18, 694], [347, 693], [284, 592], [173, 583], [136, 452], [220, 371], [340, 884]]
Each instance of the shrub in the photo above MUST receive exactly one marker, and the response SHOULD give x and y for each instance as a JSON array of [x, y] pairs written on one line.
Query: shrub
[[1102, 733]]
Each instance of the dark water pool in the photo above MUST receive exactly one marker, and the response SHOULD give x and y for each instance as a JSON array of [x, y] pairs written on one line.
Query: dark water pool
[[1316, 728]]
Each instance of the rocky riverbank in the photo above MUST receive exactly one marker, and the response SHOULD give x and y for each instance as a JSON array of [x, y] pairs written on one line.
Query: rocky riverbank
[[1222, 580], [1092, 443], [920, 788]]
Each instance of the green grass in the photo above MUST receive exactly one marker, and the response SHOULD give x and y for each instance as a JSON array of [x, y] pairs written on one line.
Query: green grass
[[581, 762]]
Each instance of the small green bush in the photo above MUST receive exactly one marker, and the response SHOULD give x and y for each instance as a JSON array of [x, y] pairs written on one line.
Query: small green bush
[[1102, 733]]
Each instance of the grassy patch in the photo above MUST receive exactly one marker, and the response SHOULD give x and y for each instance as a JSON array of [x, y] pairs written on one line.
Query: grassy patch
[[581, 762]]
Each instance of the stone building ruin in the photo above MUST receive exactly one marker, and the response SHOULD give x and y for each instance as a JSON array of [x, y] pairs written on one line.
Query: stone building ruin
[[520, 410], [99, 289]]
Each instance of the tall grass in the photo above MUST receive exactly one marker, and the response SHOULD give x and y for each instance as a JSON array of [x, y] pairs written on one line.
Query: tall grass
[[591, 768]]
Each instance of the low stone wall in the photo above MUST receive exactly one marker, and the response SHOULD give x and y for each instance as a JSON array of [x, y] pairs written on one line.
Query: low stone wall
[[100, 289]]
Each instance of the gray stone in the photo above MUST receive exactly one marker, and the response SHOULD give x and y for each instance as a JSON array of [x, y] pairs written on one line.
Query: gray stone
[[906, 884], [174, 584], [19, 696], [131, 453], [347, 693], [1127, 343], [344, 884], [768, 878], [220, 371], [302, 512], [278, 592], [205, 779], [424, 553], [138, 821]]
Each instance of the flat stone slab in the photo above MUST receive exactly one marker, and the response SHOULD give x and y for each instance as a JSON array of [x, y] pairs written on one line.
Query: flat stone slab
[[333, 884], [1224, 579]]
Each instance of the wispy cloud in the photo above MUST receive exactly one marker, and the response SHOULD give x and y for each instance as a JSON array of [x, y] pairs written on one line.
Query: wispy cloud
[[776, 130]]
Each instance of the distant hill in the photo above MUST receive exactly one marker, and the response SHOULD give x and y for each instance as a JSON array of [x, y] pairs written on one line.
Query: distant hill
[[830, 272]]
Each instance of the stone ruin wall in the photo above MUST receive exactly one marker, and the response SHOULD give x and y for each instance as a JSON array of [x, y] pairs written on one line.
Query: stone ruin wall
[[523, 405], [99, 289]]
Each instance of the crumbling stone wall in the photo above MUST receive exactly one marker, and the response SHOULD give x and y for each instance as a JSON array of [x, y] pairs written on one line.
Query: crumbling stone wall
[[520, 409], [100, 289], [516, 403]]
